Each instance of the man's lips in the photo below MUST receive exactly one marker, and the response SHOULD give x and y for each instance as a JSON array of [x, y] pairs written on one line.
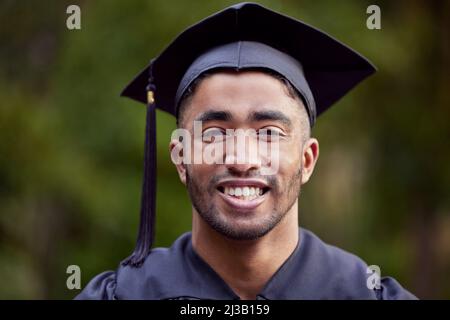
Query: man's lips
[[241, 204], [243, 194], [243, 183]]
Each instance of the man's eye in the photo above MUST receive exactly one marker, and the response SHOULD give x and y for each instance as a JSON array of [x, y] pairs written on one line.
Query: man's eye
[[211, 135], [268, 134]]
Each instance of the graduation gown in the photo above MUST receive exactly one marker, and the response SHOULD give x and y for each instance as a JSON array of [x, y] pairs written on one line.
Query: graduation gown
[[315, 270]]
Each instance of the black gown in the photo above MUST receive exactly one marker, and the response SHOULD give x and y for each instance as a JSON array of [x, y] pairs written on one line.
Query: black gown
[[315, 270]]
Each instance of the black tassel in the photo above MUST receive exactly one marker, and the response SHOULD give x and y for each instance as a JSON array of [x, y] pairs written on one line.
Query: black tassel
[[148, 199]]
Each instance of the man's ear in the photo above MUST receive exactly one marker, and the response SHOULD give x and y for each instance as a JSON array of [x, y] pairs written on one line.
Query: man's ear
[[309, 158], [176, 155]]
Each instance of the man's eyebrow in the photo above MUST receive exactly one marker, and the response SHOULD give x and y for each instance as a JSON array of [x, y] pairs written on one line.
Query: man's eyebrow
[[270, 115], [214, 116]]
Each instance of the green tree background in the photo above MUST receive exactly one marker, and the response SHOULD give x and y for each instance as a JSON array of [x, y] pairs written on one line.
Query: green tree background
[[71, 150]]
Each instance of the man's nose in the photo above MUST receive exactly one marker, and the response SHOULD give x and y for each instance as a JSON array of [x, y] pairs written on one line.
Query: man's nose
[[243, 155]]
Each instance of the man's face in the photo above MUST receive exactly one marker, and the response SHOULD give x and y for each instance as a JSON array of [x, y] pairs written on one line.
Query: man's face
[[237, 200]]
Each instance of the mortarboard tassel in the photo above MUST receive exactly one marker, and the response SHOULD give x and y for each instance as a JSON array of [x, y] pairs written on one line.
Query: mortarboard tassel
[[148, 198]]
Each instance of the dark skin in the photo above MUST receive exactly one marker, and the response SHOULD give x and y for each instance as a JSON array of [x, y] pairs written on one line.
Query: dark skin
[[247, 246]]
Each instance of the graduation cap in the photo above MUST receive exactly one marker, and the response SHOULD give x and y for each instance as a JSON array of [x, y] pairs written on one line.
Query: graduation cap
[[243, 36]]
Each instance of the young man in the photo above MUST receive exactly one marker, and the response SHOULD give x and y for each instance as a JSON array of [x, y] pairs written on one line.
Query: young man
[[245, 71]]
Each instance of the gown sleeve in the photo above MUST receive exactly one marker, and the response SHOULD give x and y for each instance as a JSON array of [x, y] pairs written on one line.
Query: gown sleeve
[[101, 287], [392, 290]]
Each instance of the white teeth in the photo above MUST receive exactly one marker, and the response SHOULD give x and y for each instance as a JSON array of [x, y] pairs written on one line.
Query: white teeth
[[245, 193]]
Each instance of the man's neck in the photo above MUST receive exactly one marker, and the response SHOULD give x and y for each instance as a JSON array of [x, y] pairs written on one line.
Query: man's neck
[[246, 265]]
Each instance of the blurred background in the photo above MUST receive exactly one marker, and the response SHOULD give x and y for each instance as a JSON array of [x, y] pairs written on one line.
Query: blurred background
[[71, 150]]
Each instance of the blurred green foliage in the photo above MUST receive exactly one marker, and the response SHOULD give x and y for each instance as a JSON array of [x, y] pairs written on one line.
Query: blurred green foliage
[[71, 150]]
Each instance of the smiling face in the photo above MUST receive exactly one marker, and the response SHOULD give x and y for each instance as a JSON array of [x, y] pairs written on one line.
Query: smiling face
[[237, 200]]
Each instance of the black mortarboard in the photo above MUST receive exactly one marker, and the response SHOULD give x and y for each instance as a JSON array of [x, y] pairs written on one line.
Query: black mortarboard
[[246, 35]]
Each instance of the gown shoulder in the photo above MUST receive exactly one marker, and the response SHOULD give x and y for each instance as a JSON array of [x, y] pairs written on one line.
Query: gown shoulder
[[101, 287]]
